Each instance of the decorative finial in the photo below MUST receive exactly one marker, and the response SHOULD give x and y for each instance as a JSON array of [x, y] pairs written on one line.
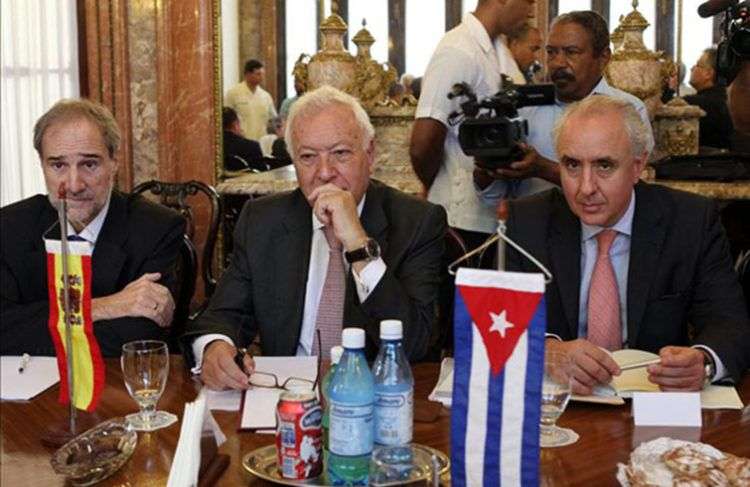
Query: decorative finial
[[364, 22], [334, 6], [635, 4]]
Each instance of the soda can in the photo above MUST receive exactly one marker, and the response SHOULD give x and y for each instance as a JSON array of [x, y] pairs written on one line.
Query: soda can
[[299, 435]]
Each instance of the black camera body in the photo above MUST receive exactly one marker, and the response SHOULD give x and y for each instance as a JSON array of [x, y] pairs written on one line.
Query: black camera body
[[734, 48], [494, 136]]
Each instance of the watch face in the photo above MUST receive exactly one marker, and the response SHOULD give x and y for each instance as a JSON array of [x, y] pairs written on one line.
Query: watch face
[[373, 249]]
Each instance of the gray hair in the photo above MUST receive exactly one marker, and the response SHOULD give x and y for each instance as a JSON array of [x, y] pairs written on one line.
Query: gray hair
[[314, 102], [601, 105], [73, 109]]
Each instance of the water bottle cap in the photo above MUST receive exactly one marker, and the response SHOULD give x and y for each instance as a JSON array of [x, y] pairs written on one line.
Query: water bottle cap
[[336, 352], [353, 338], [391, 330]]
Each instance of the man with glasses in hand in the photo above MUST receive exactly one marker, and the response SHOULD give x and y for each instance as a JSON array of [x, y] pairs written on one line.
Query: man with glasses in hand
[[340, 251]]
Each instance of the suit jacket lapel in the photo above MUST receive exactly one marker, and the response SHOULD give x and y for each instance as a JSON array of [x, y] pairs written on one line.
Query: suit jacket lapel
[[645, 247], [35, 259], [565, 257], [375, 223], [109, 258], [291, 262]]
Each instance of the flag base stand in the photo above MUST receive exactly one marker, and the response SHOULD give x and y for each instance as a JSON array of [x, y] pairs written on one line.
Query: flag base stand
[[58, 433]]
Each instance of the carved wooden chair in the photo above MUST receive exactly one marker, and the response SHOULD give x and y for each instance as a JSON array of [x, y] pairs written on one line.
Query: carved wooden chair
[[175, 196]]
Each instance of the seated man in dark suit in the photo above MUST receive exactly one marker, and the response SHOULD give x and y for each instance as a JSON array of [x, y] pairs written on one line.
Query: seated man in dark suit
[[287, 278], [239, 153], [716, 128], [135, 243], [635, 265]]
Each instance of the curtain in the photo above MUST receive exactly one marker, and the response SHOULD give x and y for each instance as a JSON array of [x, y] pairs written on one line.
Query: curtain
[[39, 66]]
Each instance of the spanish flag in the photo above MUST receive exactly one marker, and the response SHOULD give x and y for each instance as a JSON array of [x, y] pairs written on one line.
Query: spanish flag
[[88, 366]]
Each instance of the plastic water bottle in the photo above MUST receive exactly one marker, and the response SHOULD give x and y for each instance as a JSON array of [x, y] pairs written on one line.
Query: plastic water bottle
[[394, 388], [325, 389], [351, 399]]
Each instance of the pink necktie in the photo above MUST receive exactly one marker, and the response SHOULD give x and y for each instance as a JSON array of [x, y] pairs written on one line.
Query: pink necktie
[[331, 307], [604, 328]]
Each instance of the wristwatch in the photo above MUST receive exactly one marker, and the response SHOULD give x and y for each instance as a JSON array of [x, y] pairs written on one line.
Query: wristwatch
[[369, 252], [709, 367]]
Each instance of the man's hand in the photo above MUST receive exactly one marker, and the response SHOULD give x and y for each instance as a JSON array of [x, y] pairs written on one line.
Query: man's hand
[[590, 365], [680, 369], [532, 165], [336, 207], [143, 297], [219, 371]]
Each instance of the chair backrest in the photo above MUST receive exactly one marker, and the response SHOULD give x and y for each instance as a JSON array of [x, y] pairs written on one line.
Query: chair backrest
[[174, 195], [743, 273]]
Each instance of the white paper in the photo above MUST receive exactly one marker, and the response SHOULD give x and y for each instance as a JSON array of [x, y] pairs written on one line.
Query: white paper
[[667, 409], [443, 392], [720, 397], [229, 400], [259, 407], [39, 375], [187, 458]]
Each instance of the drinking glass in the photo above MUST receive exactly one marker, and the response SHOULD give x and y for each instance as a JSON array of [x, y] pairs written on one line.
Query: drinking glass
[[555, 394], [145, 367]]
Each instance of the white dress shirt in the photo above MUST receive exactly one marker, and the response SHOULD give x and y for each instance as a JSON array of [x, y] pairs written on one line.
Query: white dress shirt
[[465, 54], [90, 232], [365, 282]]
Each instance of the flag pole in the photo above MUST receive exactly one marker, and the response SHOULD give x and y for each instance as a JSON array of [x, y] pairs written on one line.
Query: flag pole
[[62, 210]]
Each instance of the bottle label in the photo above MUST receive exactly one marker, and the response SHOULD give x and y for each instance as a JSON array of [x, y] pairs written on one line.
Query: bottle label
[[350, 430], [394, 413]]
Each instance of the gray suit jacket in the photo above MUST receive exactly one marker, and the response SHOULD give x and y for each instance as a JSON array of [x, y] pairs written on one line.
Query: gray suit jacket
[[263, 289], [682, 289]]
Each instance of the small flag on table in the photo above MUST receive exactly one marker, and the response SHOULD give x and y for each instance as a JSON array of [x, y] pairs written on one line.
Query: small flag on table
[[88, 366], [499, 327]]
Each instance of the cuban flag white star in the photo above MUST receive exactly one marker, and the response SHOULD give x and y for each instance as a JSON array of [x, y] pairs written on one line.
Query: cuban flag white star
[[500, 323]]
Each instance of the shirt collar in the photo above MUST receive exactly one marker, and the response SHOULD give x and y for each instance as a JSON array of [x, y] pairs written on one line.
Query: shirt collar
[[90, 232], [601, 88], [624, 225], [478, 32], [317, 224]]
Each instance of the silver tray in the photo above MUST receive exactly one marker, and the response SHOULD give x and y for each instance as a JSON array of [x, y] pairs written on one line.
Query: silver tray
[[262, 463]]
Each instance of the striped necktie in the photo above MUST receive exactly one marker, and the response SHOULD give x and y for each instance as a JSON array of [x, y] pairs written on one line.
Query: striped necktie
[[331, 306], [604, 327]]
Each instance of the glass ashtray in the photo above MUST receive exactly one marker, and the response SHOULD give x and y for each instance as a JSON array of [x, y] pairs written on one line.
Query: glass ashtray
[[96, 454]]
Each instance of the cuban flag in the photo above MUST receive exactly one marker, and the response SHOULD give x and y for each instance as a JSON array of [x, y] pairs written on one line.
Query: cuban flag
[[499, 326]]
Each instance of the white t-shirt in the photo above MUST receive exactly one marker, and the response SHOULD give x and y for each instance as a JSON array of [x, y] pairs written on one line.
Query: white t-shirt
[[253, 108], [465, 54]]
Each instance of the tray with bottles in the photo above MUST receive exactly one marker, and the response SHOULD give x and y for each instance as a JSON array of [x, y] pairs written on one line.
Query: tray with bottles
[[427, 465]]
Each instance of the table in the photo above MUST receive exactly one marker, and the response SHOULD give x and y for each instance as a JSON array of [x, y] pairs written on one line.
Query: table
[[606, 435]]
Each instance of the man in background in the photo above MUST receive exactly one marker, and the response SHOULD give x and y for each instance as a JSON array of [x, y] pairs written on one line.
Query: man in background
[[577, 53], [635, 265], [473, 53], [342, 250], [526, 44], [716, 128], [239, 153], [135, 243], [252, 103]]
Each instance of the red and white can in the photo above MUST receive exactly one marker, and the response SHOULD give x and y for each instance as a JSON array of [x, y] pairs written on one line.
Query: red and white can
[[299, 435]]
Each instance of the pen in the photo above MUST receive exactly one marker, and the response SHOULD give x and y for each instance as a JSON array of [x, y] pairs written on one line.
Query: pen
[[239, 358], [644, 363], [24, 362]]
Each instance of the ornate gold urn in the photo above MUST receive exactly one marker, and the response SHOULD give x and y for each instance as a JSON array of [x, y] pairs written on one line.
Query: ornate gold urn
[[633, 67], [369, 81], [676, 128]]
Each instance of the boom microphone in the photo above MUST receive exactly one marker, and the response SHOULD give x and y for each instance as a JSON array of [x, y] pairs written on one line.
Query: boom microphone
[[713, 7]]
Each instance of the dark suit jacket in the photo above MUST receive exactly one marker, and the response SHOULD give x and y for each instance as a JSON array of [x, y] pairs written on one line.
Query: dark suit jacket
[[716, 127], [137, 237], [681, 286], [263, 289], [248, 150]]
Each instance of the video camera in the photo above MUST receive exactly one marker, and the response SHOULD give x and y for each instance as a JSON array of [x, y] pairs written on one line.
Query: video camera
[[734, 47], [493, 136]]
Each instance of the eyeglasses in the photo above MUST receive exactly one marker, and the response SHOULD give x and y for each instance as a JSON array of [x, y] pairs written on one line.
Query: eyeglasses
[[271, 381]]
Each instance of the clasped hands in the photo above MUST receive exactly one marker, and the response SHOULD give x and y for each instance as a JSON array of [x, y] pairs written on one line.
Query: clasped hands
[[680, 369]]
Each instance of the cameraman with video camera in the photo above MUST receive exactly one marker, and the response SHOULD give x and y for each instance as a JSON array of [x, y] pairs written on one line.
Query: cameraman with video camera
[[472, 53], [577, 53]]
